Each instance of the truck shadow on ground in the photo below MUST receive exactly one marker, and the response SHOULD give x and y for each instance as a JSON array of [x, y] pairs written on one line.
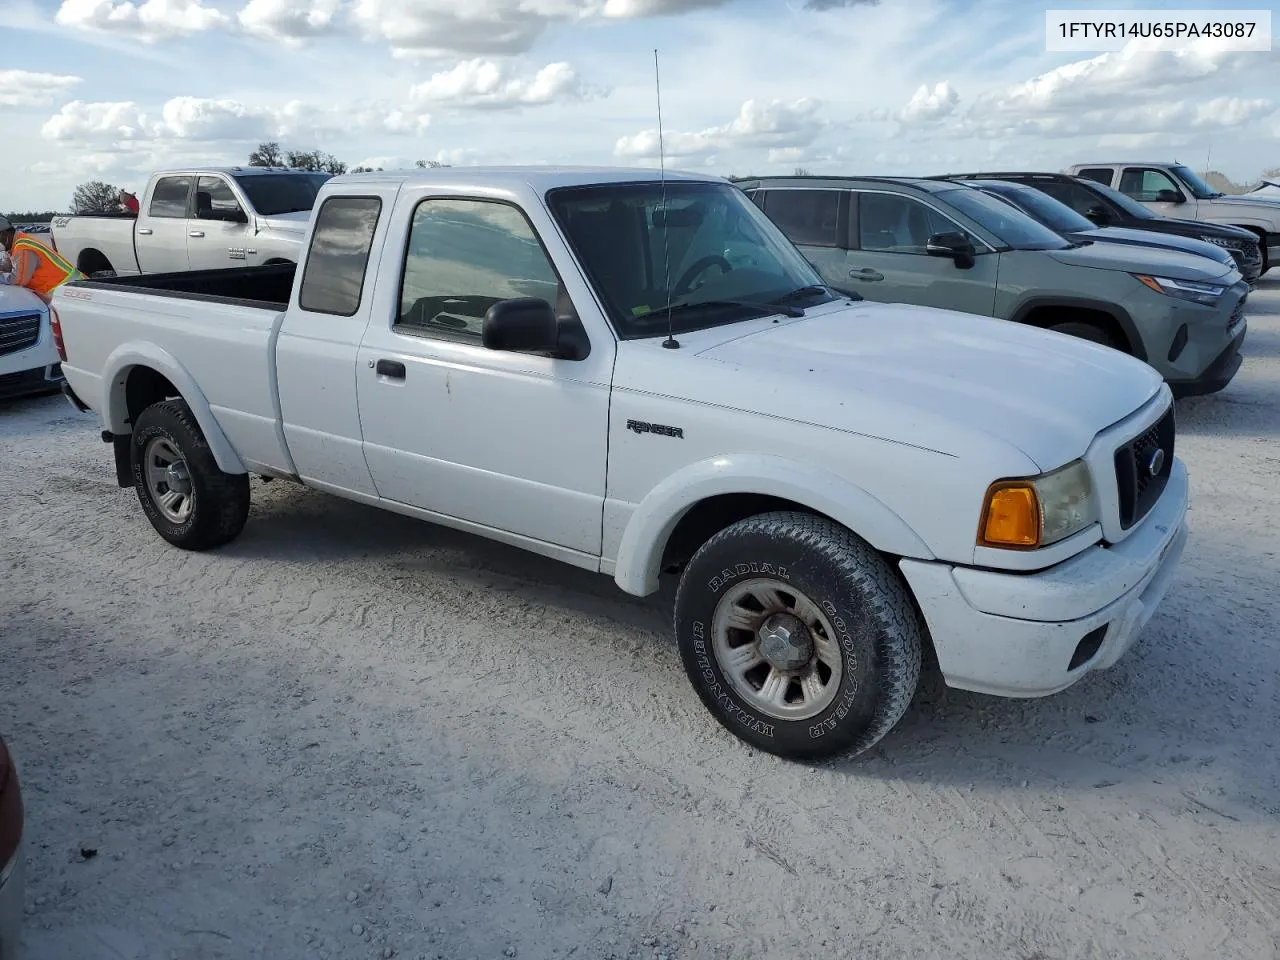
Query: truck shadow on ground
[[1133, 724]]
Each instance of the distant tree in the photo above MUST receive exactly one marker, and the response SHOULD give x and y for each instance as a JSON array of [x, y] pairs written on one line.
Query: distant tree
[[267, 155], [95, 197], [1220, 181], [1272, 174], [366, 169], [315, 160], [803, 172], [430, 164], [32, 216]]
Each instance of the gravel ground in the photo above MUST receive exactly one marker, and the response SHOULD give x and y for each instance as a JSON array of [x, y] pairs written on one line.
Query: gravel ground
[[349, 735]]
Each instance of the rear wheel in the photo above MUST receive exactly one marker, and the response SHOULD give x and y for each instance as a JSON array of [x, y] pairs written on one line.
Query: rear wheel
[[798, 636], [190, 501], [1088, 331]]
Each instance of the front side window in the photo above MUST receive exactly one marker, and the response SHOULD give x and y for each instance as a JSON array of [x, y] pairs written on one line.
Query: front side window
[[809, 217], [214, 200], [169, 199], [688, 254], [463, 257], [333, 279], [889, 223], [1145, 185]]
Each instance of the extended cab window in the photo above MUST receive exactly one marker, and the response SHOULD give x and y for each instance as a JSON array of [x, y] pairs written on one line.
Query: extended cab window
[[215, 201], [1098, 174], [463, 257], [169, 199], [1145, 185], [810, 217], [1080, 199], [333, 279], [894, 224]]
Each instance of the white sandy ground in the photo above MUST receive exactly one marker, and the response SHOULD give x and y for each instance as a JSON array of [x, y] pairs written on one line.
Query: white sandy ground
[[350, 735]]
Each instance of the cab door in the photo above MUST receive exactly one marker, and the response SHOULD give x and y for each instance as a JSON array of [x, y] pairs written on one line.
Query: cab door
[[218, 228], [1158, 192], [888, 260], [160, 235]]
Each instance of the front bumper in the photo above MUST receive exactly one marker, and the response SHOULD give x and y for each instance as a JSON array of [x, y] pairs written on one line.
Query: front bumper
[[11, 894], [1031, 635], [1217, 375], [24, 383]]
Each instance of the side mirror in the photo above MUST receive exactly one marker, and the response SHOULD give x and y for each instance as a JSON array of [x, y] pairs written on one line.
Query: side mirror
[[954, 245], [521, 325], [1170, 196], [1099, 216], [236, 216]]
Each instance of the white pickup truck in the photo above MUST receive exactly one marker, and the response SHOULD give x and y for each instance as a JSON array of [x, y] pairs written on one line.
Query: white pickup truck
[[638, 375], [1174, 190], [197, 219]]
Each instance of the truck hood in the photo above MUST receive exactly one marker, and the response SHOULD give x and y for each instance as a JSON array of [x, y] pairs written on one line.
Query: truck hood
[[1132, 258], [928, 377], [1204, 227], [287, 222], [1271, 203], [1163, 241], [19, 300]]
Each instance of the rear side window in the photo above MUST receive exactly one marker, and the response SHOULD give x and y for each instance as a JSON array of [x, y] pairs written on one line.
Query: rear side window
[[333, 279], [1099, 174], [806, 216], [1078, 198], [169, 199]]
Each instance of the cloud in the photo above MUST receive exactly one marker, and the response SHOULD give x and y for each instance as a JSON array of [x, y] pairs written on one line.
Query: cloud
[[149, 21], [22, 88], [184, 118], [484, 83], [289, 21], [930, 106], [837, 4], [773, 124]]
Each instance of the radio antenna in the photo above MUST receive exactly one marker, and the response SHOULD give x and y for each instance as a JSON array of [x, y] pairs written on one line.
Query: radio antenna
[[671, 343]]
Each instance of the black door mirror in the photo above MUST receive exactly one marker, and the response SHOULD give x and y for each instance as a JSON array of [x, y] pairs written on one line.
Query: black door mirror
[[1099, 216], [954, 245], [521, 325], [237, 216], [1170, 196]]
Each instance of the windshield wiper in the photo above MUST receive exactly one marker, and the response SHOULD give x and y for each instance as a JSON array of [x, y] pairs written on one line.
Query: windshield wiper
[[814, 290], [762, 309]]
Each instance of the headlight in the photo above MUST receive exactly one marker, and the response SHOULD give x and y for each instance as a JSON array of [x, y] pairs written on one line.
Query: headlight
[[1037, 511], [1193, 290]]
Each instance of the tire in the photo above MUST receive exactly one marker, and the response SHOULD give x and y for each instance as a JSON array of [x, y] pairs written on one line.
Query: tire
[[1088, 331], [213, 507], [864, 645]]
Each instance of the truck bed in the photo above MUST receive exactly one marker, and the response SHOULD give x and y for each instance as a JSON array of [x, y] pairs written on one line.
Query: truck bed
[[265, 288]]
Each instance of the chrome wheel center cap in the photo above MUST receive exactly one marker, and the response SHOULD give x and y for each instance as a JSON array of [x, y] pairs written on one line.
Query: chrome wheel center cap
[[177, 478], [784, 642]]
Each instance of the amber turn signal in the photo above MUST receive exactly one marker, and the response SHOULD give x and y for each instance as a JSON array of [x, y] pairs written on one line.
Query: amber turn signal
[[1011, 517]]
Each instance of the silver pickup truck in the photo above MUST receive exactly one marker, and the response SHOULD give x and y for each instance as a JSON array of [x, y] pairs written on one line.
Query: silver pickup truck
[[197, 219]]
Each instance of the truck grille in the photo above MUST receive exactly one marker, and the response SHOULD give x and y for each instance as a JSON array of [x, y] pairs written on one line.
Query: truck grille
[[18, 333], [1143, 466]]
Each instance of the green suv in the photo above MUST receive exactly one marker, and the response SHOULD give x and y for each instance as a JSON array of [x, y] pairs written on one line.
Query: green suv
[[946, 244]]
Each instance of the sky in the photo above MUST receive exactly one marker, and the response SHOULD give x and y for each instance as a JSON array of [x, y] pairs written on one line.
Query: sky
[[112, 90]]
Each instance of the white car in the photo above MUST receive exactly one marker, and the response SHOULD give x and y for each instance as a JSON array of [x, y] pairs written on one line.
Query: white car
[[29, 361], [635, 374]]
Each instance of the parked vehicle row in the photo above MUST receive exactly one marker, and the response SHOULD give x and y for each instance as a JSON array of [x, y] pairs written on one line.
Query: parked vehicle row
[[943, 243], [197, 219], [637, 374], [1174, 190]]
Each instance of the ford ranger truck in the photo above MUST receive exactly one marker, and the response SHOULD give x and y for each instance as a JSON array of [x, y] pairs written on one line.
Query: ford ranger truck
[[197, 218], [638, 375]]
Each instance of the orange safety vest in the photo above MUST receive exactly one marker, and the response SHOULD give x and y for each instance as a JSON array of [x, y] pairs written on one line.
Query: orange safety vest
[[38, 267]]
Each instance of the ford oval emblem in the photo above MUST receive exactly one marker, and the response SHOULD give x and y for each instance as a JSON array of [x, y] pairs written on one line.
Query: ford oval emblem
[[1155, 462]]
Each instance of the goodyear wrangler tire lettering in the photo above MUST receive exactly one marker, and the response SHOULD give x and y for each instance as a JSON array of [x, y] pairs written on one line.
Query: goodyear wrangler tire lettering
[[824, 597]]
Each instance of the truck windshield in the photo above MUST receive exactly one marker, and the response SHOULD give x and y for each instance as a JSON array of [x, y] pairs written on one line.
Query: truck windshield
[[1005, 221], [1200, 189], [1054, 215], [707, 251], [275, 193]]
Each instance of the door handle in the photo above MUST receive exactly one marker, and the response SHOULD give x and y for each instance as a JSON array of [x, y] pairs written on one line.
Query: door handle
[[866, 273], [196, 233], [390, 368], [145, 231]]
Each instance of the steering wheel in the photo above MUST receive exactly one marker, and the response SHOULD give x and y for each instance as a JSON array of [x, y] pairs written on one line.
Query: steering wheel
[[685, 284]]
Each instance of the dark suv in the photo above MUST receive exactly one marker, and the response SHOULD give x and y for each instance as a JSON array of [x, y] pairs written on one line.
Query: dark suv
[[1106, 207]]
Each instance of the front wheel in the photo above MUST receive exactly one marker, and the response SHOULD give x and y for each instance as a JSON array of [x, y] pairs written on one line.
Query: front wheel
[[1088, 331], [798, 636], [190, 501]]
